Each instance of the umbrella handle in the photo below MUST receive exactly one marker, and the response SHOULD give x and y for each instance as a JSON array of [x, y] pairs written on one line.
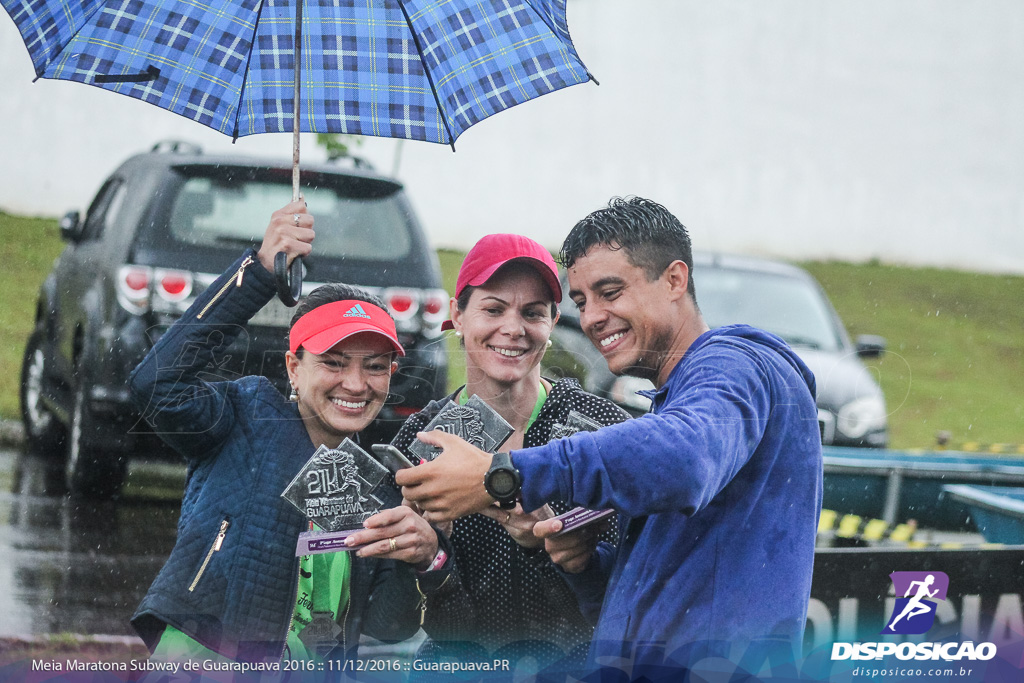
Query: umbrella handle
[[288, 292]]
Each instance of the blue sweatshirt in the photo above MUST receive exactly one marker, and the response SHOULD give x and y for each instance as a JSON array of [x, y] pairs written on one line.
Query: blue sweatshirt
[[720, 486]]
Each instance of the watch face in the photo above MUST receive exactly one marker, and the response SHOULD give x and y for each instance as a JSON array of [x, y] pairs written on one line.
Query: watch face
[[502, 483]]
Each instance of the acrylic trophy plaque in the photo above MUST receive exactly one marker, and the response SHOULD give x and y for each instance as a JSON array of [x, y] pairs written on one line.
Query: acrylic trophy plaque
[[476, 423], [579, 516], [338, 489]]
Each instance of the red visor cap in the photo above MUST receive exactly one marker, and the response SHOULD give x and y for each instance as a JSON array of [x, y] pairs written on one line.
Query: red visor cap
[[494, 251], [323, 327]]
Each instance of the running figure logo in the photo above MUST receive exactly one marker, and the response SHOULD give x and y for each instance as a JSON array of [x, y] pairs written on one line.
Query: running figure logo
[[914, 613]]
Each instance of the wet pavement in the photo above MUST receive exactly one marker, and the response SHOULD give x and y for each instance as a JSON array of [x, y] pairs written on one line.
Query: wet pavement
[[72, 566]]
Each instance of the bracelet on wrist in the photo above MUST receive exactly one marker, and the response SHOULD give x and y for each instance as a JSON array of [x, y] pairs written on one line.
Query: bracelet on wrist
[[439, 559]]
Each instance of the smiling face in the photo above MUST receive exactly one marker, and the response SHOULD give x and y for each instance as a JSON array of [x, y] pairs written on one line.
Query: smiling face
[[636, 323], [505, 326], [342, 390]]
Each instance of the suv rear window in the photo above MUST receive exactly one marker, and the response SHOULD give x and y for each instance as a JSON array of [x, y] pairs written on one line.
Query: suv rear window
[[359, 218], [789, 307]]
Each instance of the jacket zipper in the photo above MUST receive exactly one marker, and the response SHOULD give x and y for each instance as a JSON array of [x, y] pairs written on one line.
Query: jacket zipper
[[422, 604], [218, 542], [238, 283]]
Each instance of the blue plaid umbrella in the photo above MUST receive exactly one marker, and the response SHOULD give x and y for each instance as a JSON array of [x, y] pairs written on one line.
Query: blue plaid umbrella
[[415, 69]]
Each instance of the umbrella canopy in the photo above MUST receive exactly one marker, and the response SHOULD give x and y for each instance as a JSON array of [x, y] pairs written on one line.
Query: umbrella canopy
[[414, 69]]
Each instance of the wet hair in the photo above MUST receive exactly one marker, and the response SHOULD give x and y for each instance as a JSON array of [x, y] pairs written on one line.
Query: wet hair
[[463, 300], [329, 294], [651, 236]]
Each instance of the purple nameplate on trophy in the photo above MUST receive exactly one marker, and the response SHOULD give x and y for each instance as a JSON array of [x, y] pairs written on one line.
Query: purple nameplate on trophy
[[314, 542], [580, 517], [577, 517], [337, 490]]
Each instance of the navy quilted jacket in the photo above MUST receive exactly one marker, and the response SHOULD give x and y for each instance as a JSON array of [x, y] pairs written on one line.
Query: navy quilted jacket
[[244, 443]]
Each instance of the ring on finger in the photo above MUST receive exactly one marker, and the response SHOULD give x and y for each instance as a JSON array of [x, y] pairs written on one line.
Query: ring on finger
[[508, 517], [391, 542], [295, 217]]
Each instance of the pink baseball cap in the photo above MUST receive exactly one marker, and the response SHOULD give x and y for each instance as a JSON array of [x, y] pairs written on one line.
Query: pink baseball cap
[[493, 251], [324, 326]]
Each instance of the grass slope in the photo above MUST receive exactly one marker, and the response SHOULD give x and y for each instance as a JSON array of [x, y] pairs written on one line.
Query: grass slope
[[956, 347], [450, 260], [28, 247]]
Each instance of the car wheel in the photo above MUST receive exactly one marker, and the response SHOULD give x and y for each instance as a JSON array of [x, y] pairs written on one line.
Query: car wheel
[[91, 472], [44, 434]]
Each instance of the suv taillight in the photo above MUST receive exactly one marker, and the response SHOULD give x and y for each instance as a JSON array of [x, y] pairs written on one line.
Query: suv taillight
[[402, 303], [435, 307], [136, 286], [133, 288], [172, 285], [417, 310]]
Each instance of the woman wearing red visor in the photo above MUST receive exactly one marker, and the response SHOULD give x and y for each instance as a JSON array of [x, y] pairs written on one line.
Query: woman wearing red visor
[[505, 596], [233, 588]]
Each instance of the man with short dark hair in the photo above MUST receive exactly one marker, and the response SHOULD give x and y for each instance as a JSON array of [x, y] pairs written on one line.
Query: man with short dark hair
[[719, 486]]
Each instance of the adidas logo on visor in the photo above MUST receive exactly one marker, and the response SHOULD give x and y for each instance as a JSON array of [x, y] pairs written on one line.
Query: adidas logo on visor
[[356, 312]]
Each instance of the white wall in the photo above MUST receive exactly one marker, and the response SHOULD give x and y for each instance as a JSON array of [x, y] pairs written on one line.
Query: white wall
[[803, 129]]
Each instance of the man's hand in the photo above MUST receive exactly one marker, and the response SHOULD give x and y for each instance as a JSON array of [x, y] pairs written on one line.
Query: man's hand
[[571, 551], [290, 230], [452, 485], [519, 524], [415, 541]]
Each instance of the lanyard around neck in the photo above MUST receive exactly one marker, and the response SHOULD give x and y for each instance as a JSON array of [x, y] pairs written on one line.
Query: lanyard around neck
[[542, 396]]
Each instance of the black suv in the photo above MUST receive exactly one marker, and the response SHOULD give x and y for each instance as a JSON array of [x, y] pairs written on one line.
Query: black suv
[[159, 231]]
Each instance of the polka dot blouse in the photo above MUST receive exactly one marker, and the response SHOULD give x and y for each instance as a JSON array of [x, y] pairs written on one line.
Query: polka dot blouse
[[499, 592]]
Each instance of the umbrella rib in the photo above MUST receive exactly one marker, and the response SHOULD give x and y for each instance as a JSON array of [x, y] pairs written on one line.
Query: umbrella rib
[[570, 46], [426, 71], [85, 22], [245, 74]]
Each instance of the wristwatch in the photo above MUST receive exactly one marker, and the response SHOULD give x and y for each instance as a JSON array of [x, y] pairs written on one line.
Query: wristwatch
[[503, 481]]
